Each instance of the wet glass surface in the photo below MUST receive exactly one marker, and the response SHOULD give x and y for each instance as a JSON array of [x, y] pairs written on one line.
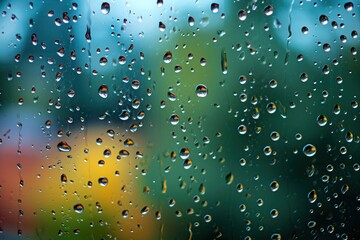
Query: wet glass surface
[[186, 119]]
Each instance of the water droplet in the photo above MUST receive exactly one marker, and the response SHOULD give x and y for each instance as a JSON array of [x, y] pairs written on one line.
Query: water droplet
[[344, 188], [274, 186], [167, 57], [224, 64], [311, 224], [309, 150], [274, 136], [229, 178], [174, 119], [207, 218], [187, 163], [105, 8], [103, 91], [63, 147], [271, 107], [322, 120], [312, 196], [201, 90], [274, 213], [349, 6], [162, 26], [103, 61], [88, 34], [242, 129], [191, 21], [125, 213], [103, 181], [305, 30], [184, 153], [145, 210], [78, 208], [276, 236], [63, 178], [160, 3], [242, 15], [214, 7], [324, 19], [269, 10]]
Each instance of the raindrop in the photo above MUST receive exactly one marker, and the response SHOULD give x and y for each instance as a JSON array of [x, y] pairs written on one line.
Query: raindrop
[[103, 91], [275, 136], [269, 10], [274, 213], [271, 107], [324, 19], [214, 7], [159, 3], [167, 57], [105, 8], [312, 196], [174, 119], [322, 120], [207, 218], [184, 153], [145, 210], [63, 147], [309, 150], [63, 178], [242, 129], [162, 26], [191, 21], [274, 186], [201, 90], [103, 181], [242, 15], [229, 178], [348, 6], [78, 208], [103, 61], [187, 163]]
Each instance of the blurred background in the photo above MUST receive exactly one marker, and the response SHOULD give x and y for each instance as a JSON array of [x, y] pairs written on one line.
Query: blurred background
[[174, 119]]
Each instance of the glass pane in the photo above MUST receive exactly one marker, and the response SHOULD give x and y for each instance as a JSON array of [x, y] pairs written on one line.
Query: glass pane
[[187, 119]]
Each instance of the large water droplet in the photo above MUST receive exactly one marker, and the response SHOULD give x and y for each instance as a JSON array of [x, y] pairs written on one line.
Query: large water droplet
[[214, 7], [201, 90], [167, 57], [242, 15], [322, 120], [103, 91], [312, 196], [309, 150], [63, 178], [63, 147], [105, 8], [103, 181], [78, 208]]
